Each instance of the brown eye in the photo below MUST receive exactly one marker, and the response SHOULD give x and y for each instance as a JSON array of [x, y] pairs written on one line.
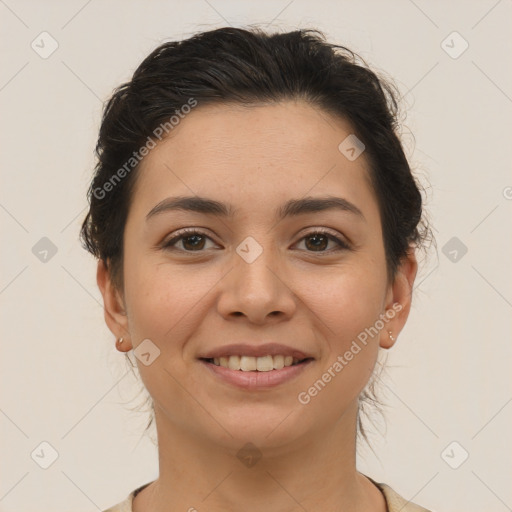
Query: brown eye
[[192, 241], [318, 241]]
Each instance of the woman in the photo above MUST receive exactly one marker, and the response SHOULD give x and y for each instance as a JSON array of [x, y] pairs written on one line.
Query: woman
[[256, 222]]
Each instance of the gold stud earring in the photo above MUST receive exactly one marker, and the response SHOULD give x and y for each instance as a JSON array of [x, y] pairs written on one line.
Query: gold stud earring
[[120, 346]]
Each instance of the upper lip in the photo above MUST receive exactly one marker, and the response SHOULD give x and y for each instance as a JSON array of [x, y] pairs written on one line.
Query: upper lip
[[240, 349]]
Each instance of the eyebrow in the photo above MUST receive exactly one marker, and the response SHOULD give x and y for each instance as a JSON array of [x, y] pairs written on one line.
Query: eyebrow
[[291, 208]]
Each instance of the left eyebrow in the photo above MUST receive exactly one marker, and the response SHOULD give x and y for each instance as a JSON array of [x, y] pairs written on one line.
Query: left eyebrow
[[291, 208]]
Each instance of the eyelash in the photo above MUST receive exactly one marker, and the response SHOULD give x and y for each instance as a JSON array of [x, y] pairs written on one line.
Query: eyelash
[[188, 232]]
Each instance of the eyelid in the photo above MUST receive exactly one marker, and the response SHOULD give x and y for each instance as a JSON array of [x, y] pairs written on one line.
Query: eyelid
[[343, 244], [311, 230], [182, 233]]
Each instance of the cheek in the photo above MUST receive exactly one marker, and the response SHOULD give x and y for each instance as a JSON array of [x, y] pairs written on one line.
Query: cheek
[[344, 314], [164, 307], [346, 304], [163, 302], [346, 299]]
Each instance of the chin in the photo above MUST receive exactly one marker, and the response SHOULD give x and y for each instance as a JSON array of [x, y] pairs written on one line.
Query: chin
[[264, 427]]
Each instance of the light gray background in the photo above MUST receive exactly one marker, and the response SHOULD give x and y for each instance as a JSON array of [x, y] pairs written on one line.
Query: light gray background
[[62, 380]]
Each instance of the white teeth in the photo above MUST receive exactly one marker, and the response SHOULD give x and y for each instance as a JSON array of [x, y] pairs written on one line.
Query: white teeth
[[247, 363], [261, 364], [233, 363], [264, 364], [278, 362]]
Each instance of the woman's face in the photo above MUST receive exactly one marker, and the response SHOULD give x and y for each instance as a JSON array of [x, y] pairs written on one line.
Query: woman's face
[[255, 274]]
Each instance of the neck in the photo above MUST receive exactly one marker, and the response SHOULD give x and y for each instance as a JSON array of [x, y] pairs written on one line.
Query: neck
[[314, 474]]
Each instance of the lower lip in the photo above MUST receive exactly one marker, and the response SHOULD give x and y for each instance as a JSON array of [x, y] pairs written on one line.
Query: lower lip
[[255, 379]]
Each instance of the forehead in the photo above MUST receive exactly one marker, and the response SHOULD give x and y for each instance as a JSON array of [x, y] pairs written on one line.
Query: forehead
[[260, 154], [288, 130]]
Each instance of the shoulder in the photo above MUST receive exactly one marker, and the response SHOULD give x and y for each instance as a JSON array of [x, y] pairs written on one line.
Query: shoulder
[[123, 506], [126, 504], [395, 502]]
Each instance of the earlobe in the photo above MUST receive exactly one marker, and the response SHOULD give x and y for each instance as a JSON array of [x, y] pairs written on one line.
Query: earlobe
[[114, 311], [389, 333], [399, 299]]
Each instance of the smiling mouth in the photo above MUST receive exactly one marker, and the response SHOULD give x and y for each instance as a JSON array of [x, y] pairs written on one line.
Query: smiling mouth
[[256, 364]]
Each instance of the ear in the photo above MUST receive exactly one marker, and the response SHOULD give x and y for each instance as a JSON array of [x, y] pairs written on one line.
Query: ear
[[399, 298], [113, 305]]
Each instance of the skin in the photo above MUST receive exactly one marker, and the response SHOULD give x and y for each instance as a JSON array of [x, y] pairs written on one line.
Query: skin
[[189, 302]]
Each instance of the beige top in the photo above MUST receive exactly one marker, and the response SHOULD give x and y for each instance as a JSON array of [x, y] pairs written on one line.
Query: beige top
[[394, 502]]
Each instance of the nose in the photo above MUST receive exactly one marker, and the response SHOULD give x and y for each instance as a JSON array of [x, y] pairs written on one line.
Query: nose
[[258, 290]]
